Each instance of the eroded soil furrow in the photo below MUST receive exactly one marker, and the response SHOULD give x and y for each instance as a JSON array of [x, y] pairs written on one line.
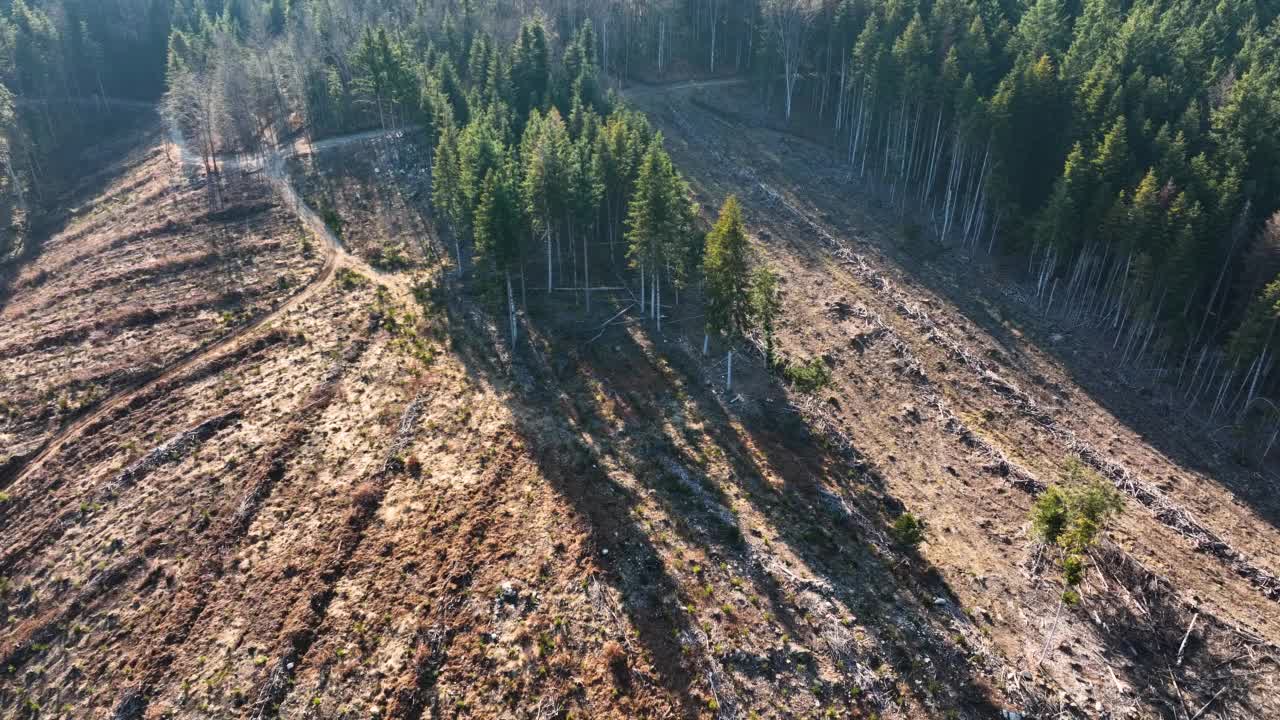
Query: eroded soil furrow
[[171, 451], [304, 620], [182, 363], [921, 342], [54, 511], [33, 635], [455, 567], [1161, 507], [210, 559]]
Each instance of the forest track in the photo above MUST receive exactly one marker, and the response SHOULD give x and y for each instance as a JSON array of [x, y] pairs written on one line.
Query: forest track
[[336, 258], [645, 89]]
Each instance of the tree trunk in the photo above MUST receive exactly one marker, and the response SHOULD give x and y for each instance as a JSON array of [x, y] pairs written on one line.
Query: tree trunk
[[713, 40], [657, 305], [511, 310]]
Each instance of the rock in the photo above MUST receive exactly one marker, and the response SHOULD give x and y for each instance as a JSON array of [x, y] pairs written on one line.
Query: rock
[[800, 655], [508, 592]]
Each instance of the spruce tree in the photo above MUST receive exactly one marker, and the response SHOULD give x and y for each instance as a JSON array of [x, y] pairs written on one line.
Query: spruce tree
[[727, 271], [546, 187], [446, 188], [498, 229], [659, 221], [766, 305]]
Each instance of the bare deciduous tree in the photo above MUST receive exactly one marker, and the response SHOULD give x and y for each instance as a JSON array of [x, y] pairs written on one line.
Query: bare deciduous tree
[[789, 23]]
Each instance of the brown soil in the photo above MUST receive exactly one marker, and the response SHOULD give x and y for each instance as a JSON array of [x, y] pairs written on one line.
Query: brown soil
[[143, 273], [365, 503], [939, 400]]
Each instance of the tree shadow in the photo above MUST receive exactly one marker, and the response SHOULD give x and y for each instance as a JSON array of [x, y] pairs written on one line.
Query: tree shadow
[[1172, 656], [105, 161], [636, 403], [383, 178], [1019, 331]]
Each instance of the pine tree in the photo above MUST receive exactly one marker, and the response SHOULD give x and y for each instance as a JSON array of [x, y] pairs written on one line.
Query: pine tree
[[727, 271], [1029, 118], [446, 188], [1065, 219], [1044, 29], [659, 221], [545, 159], [480, 149], [382, 75], [276, 17], [766, 305], [531, 70], [587, 188], [498, 229]]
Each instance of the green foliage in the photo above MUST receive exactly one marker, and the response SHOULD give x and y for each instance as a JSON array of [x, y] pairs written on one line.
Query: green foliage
[[547, 171], [498, 220], [384, 76], [446, 183], [531, 70], [660, 217], [907, 530], [1072, 516], [810, 376], [349, 279], [726, 267], [331, 217], [1049, 515], [766, 305], [1257, 330]]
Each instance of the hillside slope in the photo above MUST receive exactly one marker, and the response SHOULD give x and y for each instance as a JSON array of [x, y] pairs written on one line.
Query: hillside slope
[[940, 381], [352, 498]]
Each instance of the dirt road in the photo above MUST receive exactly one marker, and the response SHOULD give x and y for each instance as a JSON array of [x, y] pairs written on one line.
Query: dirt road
[[335, 258]]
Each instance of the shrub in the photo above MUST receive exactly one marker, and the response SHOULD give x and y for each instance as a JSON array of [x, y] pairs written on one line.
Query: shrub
[[616, 658], [331, 218], [907, 530], [413, 465], [1071, 518], [349, 279], [1049, 515], [911, 233], [390, 257], [365, 497], [809, 377]]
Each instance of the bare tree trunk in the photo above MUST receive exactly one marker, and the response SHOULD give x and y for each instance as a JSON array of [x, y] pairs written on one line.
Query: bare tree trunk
[[511, 310]]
